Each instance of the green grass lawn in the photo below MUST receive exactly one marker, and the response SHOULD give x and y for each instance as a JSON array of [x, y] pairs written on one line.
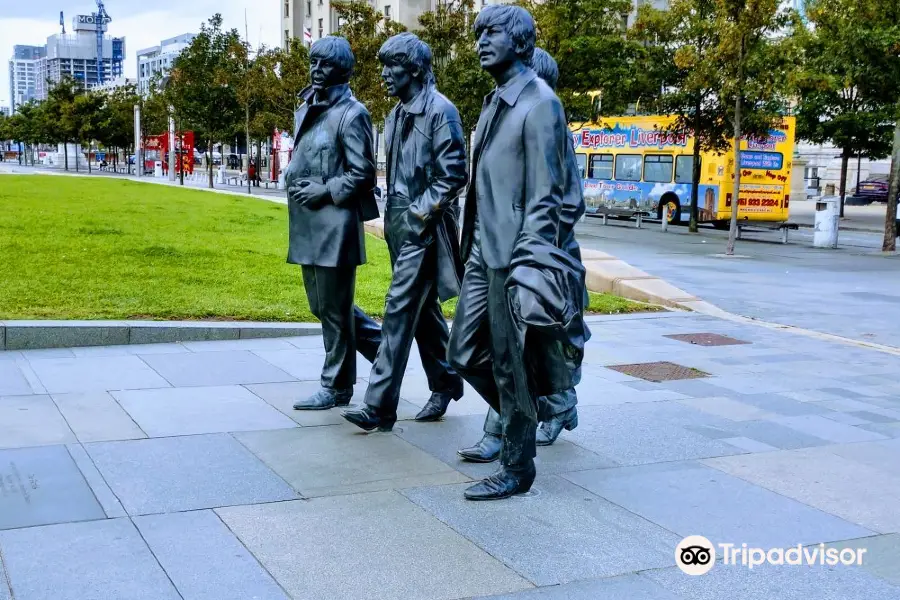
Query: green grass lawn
[[84, 248]]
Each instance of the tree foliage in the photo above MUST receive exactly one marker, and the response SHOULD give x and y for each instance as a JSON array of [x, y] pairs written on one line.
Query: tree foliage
[[457, 70], [203, 83], [366, 29]]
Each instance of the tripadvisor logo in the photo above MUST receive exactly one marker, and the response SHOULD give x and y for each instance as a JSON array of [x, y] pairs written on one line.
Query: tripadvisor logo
[[696, 555]]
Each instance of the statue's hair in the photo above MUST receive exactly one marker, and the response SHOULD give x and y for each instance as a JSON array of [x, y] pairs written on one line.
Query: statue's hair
[[515, 20], [407, 50], [545, 66], [336, 49]]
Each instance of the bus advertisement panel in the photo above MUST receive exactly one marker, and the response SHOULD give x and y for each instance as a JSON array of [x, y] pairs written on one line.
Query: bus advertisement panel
[[635, 164]]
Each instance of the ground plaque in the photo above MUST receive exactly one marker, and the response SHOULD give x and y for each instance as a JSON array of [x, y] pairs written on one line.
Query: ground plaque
[[41, 486]]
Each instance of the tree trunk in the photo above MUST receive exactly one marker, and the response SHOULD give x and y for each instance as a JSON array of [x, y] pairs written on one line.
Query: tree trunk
[[66, 154], [890, 224], [89, 157], [845, 161], [209, 163], [695, 185], [735, 198]]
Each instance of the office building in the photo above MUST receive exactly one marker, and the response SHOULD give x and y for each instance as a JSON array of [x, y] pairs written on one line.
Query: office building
[[157, 60], [309, 20], [74, 55], [24, 71], [4, 111]]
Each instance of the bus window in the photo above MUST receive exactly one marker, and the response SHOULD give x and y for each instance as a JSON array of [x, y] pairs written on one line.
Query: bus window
[[658, 168], [684, 169], [581, 159], [628, 167], [601, 166]]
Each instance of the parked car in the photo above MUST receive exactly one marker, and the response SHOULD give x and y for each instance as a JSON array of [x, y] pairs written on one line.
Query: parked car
[[873, 189]]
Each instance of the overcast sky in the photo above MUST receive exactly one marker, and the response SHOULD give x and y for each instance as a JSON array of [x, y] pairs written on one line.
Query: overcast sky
[[142, 24]]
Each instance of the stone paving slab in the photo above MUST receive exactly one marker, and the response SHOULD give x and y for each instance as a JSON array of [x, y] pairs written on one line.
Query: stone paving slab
[[630, 587], [687, 498], [374, 546], [204, 559], [32, 421], [97, 417], [96, 374], [820, 478], [345, 460], [562, 532], [197, 369], [198, 410], [12, 380], [781, 582], [185, 473], [76, 561], [40, 486]]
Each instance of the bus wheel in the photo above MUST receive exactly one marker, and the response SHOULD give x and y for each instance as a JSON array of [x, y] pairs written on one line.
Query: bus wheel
[[674, 207], [722, 225]]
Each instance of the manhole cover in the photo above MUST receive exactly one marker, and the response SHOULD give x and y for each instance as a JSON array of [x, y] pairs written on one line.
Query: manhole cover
[[659, 371], [706, 339]]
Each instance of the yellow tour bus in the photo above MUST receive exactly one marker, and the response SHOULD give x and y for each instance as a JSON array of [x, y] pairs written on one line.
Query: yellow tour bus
[[634, 165]]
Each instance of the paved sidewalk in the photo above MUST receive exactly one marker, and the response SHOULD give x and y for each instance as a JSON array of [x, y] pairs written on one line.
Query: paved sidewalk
[[181, 471]]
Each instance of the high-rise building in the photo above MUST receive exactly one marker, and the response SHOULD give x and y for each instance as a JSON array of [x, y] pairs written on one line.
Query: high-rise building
[[4, 111], [309, 20], [24, 73], [157, 60], [75, 55]]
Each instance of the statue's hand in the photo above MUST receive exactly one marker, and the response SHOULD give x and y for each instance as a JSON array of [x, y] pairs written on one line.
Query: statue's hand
[[309, 194]]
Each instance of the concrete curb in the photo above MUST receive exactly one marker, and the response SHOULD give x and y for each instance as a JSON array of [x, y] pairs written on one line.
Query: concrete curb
[[33, 335]]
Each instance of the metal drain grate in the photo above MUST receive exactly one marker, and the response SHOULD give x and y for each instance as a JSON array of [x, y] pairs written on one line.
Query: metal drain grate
[[706, 339], [659, 371]]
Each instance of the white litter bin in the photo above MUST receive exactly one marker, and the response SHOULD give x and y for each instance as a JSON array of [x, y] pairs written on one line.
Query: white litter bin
[[157, 168], [828, 217]]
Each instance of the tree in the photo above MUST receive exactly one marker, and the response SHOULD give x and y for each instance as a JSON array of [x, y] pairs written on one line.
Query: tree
[[457, 70], [59, 123], [755, 68], [587, 41], [203, 83], [117, 123], [683, 40], [367, 29], [877, 25], [87, 119], [833, 107]]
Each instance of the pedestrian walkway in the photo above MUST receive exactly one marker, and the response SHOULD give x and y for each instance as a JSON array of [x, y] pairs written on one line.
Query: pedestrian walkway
[[181, 471]]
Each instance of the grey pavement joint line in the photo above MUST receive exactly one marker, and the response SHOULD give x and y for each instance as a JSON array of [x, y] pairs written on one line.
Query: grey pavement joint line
[[6, 580], [215, 511], [156, 558], [84, 477]]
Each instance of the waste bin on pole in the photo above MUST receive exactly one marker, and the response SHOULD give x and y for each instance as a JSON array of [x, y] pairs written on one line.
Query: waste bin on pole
[[828, 217]]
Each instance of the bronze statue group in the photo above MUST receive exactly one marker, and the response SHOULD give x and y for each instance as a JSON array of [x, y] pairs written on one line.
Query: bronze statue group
[[518, 335]]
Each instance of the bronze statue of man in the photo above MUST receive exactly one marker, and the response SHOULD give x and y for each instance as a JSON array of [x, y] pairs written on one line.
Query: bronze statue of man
[[426, 169], [557, 411], [330, 183], [510, 238]]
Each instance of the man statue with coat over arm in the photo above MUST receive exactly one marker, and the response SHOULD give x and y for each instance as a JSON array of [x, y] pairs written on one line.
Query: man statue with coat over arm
[[515, 336]]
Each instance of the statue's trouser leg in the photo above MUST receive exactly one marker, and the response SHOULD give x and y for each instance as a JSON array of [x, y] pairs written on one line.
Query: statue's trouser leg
[[482, 343], [330, 294], [412, 311]]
